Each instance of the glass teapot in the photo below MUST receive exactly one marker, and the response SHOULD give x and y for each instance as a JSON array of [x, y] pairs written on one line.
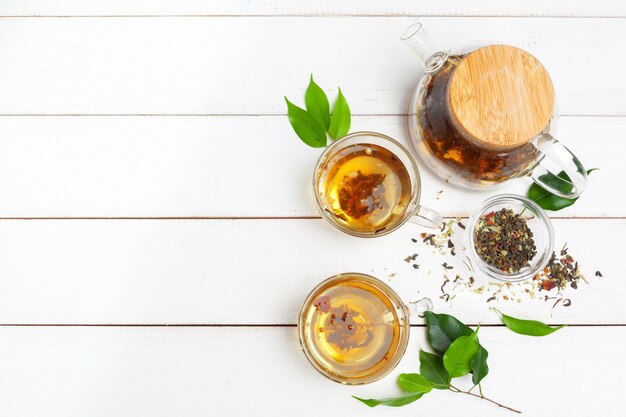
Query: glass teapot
[[483, 114]]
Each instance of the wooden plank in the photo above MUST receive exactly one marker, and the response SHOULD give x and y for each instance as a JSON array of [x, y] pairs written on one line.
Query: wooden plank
[[228, 166], [576, 8], [83, 372], [232, 65], [260, 271]]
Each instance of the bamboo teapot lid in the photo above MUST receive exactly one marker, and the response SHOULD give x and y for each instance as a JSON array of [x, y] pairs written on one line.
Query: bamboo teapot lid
[[501, 96]]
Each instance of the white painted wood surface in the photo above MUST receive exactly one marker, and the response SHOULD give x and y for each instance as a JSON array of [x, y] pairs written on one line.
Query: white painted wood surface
[[161, 126], [232, 372], [226, 166], [221, 65], [573, 8], [257, 271]]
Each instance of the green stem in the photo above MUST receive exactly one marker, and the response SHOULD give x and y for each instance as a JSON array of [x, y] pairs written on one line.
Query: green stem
[[482, 397]]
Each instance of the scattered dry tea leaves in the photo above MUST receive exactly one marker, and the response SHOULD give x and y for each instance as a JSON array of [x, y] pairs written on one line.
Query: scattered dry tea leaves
[[410, 258], [560, 272], [458, 275]]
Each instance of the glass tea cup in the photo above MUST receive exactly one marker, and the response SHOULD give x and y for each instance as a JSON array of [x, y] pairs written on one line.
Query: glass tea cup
[[367, 185], [354, 329], [537, 221]]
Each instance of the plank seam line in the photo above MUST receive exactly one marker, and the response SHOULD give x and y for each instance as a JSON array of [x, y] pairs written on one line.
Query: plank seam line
[[175, 218], [235, 115], [260, 325], [317, 15]]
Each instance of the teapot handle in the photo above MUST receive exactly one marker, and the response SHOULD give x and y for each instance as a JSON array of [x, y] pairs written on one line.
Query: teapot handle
[[558, 156]]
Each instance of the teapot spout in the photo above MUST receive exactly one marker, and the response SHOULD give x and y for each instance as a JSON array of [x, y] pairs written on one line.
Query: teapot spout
[[424, 48]]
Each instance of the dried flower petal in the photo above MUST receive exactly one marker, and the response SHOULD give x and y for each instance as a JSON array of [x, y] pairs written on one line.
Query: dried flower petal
[[323, 304]]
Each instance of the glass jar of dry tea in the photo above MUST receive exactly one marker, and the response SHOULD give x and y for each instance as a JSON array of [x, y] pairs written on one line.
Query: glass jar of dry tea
[[509, 238]]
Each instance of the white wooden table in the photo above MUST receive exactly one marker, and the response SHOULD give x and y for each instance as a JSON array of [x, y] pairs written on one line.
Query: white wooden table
[[158, 233]]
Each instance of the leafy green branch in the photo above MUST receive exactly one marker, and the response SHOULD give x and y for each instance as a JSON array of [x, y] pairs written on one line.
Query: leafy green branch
[[313, 124], [458, 352]]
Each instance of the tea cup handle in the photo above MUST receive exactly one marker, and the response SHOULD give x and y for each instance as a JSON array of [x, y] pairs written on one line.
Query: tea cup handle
[[419, 307], [558, 155], [427, 217]]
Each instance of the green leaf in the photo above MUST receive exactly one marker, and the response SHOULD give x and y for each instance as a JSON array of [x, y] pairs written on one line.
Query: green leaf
[[306, 126], [392, 402], [458, 358], [414, 383], [527, 327], [444, 329], [431, 367], [340, 119], [546, 199], [479, 365], [317, 103]]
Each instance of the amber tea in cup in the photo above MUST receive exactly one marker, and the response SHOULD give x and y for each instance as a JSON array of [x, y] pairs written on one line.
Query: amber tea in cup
[[367, 187], [353, 328], [367, 184]]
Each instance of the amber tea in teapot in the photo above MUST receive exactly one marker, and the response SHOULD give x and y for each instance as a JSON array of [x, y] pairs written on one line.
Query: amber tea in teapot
[[484, 114], [490, 160]]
